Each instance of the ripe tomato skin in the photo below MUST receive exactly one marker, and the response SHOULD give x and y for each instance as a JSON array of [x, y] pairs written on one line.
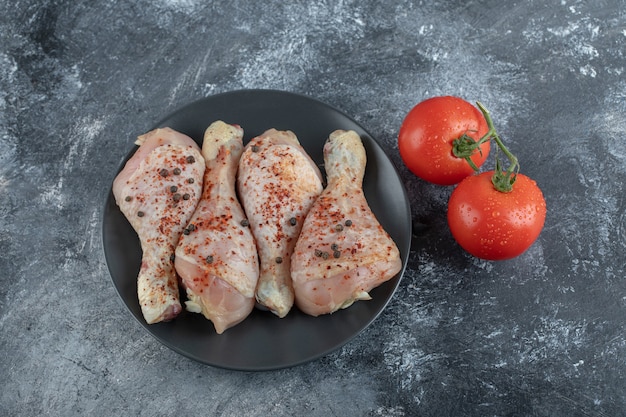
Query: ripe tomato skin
[[493, 225], [426, 135]]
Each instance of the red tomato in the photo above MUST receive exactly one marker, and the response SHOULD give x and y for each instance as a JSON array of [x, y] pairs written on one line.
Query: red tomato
[[494, 225], [428, 132]]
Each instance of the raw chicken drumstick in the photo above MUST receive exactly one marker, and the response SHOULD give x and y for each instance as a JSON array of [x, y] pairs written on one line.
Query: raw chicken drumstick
[[157, 191], [277, 182], [216, 255], [343, 251]]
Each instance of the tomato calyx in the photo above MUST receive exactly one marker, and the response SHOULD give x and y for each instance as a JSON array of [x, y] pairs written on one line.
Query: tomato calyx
[[465, 146]]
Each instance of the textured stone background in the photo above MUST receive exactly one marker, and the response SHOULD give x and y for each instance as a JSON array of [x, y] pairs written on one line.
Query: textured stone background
[[543, 334]]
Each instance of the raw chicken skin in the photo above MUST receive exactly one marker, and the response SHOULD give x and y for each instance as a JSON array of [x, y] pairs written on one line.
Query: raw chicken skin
[[216, 255], [343, 251], [277, 183], [159, 213]]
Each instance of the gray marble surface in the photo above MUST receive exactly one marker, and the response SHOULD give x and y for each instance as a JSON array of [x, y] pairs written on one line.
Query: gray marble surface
[[539, 335]]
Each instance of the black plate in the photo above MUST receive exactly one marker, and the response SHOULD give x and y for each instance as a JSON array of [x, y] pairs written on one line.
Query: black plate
[[263, 341]]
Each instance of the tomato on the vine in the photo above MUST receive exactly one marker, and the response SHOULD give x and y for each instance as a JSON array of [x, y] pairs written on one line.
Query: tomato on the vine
[[427, 135], [495, 215], [492, 224]]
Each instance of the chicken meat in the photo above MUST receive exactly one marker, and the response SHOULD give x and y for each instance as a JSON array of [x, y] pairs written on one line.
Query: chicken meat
[[216, 256], [277, 183], [343, 251], [157, 191]]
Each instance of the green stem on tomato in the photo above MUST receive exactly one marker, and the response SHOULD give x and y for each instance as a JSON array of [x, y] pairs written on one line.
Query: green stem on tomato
[[465, 146], [502, 180]]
